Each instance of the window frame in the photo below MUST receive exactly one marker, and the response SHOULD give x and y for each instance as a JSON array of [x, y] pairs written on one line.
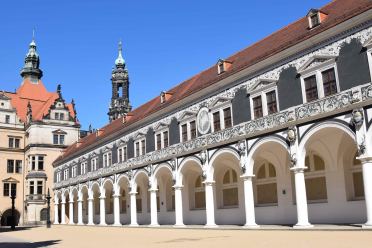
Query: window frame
[[161, 132], [107, 159], [317, 72], [220, 109], [139, 143], [263, 94], [188, 122], [122, 153]]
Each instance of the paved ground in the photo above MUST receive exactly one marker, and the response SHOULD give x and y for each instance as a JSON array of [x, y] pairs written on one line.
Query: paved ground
[[105, 237]]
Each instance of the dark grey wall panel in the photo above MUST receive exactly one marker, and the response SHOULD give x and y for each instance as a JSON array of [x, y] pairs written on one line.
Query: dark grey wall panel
[[130, 147], [352, 65], [89, 164], [114, 153], [150, 140], [174, 132], [241, 107], [289, 88], [100, 160]]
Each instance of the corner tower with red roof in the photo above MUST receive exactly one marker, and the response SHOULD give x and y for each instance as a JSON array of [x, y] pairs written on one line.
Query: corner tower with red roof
[[36, 125]]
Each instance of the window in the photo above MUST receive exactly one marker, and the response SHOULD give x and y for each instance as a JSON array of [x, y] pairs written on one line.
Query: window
[[39, 187], [7, 119], [199, 196], [264, 102], [140, 147], [9, 189], [93, 164], [184, 132], [257, 107], [56, 116], [122, 154], [329, 82], [266, 187], [222, 119], [271, 102], [58, 177], [14, 142], [32, 187], [107, 159], [320, 83], [58, 139], [83, 168], [59, 116], [74, 171], [227, 117], [162, 139], [230, 189], [40, 163], [10, 166], [18, 168], [65, 174], [314, 20], [311, 88], [315, 179], [188, 130]]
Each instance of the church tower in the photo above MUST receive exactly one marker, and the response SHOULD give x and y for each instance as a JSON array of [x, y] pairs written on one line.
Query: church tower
[[31, 68], [119, 105]]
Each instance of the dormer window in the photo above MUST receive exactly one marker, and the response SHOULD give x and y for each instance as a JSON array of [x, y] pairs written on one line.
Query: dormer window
[[223, 65], [165, 96], [315, 17]]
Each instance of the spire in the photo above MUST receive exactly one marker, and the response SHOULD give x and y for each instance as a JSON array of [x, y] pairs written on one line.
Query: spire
[[119, 62], [32, 61], [59, 91], [29, 112]]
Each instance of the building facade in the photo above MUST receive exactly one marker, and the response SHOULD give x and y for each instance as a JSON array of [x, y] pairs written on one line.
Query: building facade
[[279, 133], [35, 126]]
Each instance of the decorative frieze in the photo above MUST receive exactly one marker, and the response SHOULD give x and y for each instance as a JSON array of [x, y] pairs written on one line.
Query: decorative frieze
[[244, 130]]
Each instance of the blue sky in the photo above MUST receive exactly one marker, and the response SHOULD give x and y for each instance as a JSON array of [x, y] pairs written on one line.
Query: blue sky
[[164, 42]]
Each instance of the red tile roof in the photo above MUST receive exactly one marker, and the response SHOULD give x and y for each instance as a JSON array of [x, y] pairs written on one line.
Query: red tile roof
[[39, 98], [337, 11]]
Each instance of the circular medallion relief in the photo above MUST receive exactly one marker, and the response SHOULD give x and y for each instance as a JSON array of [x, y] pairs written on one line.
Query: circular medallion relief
[[203, 120]]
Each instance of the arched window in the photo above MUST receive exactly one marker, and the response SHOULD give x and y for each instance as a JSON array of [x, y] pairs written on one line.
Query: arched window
[[139, 200], [315, 179], [230, 189], [266, 187], [43, 214], [199, 194], [357, 177], [123, 202]]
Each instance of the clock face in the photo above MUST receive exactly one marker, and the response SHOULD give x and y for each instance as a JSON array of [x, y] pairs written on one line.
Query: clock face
[[203, 120]]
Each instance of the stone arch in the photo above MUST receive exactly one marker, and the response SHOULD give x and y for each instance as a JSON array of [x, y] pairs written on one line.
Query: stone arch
[[217, 155], [225, 170], [123, 182], [6, 217], [322, 149]]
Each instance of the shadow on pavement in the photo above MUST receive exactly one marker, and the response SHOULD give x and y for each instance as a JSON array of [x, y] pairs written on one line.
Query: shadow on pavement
[[18, 228], [29, 244]]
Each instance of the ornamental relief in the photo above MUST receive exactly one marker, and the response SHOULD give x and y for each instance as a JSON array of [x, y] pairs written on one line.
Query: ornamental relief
[[281, 118]]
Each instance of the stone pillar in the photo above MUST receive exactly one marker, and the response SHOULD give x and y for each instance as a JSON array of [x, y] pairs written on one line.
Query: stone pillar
[[90, 211], [80, 212], [71, 212], [178, 202], [102, 211], [117, 210], [56, 213], [301, 201], [153, 208], [63, 212], [250, 219], [367, 181], [133, 209], [209, 203]]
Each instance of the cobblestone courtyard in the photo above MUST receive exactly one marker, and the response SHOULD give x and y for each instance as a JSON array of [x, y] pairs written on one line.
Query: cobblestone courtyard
[[105, 237]]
